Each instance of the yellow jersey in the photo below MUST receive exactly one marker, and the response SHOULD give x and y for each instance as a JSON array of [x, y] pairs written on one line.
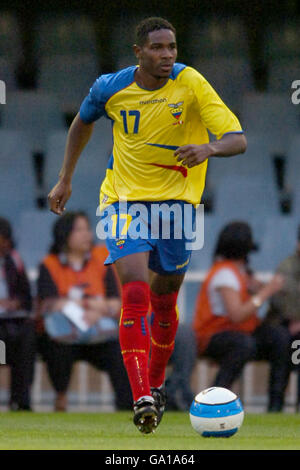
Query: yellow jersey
[[148, 126]]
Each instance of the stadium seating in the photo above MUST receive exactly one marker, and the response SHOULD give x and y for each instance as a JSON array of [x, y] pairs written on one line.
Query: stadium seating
[[240, 197], [272, 115], [293, 165], [10, 41], [282, 73], [202, 259], [16, 176], [219, 51], [123, 37], [35, 236], [278, 242], [217, 37], [282, 39], [37, 114], [69, 77], [231, 77], [296, 203], [65, 34], [10, 49], [7, 73], [255, 161]]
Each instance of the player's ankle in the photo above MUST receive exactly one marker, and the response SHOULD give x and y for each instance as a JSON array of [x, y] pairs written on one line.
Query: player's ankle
[[145, 398]]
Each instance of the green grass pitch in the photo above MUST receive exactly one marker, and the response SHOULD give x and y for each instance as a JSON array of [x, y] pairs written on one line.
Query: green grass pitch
[[115, 431]]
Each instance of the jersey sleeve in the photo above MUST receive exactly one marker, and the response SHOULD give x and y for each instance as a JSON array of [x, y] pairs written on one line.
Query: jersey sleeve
[[93, 106], [214, 114], [225, 278]]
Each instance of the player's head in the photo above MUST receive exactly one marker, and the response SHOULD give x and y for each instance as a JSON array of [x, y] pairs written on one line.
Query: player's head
[[155, 46], [235, 241], [72, 233]]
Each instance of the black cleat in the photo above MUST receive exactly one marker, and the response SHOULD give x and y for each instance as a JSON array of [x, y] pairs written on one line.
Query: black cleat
[[145, 415], [160, 399]]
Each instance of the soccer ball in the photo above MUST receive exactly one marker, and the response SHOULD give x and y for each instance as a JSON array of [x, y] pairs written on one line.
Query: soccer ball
[[216, 412]]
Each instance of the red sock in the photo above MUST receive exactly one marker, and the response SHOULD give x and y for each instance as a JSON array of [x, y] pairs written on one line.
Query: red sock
[[134, 336], [163, 331]]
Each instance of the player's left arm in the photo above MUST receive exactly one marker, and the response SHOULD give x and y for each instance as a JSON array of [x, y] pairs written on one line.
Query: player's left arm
[[217, 118], [228, 145]]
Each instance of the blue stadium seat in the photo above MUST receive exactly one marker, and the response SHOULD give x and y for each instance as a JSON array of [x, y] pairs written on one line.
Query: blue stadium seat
[[255, 161], [35, 236], [10, 40], [201, 260], [282, 73], [282, 39], [234, 80], [37, 114], [16, 176], [293, 165], [7, 73], [70, 34], [279, 241], [123, 37], [247, 198], [296, 203], [272, 115], [69, 77], [217, 37]]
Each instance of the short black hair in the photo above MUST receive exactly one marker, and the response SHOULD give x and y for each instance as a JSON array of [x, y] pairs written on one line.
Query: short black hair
[[146, 26], [235, 241], [62, 230]]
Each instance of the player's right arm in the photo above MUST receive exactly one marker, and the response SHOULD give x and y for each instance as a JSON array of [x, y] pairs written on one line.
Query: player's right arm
[[78, 136]]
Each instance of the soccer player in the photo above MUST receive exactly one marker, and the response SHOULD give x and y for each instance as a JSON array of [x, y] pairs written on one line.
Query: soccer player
[[160, 111]]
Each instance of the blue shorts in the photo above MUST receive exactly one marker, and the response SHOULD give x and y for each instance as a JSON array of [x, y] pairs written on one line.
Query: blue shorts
[[164, 228]]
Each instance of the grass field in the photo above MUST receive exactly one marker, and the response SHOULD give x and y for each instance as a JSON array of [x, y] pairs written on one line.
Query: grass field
[[115, 431]]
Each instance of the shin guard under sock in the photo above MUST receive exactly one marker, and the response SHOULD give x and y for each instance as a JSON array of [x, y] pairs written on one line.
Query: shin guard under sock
[[164, 325], [134, 336]]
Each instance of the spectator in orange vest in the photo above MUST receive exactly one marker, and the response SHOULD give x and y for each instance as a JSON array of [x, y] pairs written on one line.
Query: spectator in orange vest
[[73, 288], [227, 324]]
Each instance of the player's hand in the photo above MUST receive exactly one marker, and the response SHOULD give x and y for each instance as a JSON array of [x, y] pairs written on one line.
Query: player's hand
[[192, 155], [58, 196]]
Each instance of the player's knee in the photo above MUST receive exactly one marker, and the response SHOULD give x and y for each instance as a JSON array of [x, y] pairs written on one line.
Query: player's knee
[[165, 305], [135, 298]]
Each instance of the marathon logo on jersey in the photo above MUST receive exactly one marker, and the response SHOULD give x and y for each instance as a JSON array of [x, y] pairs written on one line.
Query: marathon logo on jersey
[[156, 101], [176, 111]]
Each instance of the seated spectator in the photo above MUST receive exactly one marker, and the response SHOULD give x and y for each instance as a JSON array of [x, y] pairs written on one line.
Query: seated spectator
[[285, 305], [226, 322], [16, 326], [74, 289]]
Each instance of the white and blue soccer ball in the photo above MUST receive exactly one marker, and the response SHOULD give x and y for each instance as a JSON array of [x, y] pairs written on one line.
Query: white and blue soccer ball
[[216, 412]]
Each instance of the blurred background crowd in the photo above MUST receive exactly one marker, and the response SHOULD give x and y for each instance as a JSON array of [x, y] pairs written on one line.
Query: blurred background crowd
[[50, 55]]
